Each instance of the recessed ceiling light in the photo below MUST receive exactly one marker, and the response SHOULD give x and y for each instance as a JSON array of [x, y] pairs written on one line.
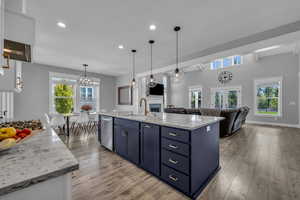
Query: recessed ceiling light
[[267, 48], [61, 25], [121, 46], [152, 27]]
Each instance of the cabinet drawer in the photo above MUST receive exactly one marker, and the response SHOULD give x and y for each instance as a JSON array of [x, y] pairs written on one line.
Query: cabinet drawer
[[175, 178], [176, 161], [175, 134], [127, 123], [174, 146]]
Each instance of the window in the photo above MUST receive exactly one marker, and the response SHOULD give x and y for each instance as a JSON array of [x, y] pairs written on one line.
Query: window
[[62, 94], [63, 98], [226, 62], [88, 95], [195, 97], [268, 96], [216, 64], [226, 97], [66, 96], [237, 60]]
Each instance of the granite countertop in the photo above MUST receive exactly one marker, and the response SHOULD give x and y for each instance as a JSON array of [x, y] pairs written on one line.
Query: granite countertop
[[41, 157], [182, 121]]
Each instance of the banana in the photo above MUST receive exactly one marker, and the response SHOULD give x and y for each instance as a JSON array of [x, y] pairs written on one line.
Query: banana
[[7, 133], [7, 143], [3, 130]]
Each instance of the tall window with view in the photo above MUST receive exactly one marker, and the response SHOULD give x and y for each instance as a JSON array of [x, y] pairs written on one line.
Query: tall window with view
[[268, 97]]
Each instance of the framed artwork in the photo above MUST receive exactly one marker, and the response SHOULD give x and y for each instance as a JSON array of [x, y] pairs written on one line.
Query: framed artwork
[[125, 95]]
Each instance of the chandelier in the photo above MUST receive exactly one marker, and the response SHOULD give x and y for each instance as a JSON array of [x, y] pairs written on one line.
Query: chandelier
[[83, 79]]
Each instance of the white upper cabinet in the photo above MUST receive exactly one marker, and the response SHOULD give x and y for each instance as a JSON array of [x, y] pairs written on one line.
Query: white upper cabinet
[[18, 26]]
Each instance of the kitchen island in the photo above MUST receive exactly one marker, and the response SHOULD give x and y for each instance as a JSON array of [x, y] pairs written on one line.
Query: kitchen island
[[38, 168], [181, 150]]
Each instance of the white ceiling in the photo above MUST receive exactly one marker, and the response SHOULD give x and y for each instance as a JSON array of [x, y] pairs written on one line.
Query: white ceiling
[[95, 28]]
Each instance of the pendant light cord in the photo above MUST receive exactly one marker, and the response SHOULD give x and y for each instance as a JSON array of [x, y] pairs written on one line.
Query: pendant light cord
[[133, 63], [151, 56], [177, 29], [85, 66], [177, 59]]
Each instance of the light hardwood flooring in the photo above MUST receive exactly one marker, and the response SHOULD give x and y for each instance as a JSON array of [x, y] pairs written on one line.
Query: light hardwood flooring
[[259, 163]]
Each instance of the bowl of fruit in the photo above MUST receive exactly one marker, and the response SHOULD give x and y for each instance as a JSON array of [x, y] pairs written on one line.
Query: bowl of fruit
[[10, 137]]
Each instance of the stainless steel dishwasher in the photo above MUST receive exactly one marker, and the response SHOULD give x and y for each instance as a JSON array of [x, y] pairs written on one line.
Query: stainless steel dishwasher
[[107, 132]]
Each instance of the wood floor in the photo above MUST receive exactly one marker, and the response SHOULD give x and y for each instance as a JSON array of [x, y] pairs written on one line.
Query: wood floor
[[259, 163]]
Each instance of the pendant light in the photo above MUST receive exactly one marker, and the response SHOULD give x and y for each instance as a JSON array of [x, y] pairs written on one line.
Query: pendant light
[[84, 80], [177, 29], [152, 80], [133, 82]]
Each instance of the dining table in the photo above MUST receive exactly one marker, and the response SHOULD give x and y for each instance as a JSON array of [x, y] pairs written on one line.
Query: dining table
[[67, 117]]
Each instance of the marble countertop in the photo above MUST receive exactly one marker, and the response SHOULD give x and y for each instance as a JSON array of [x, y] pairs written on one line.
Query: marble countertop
[[41, 157], [182, 121]]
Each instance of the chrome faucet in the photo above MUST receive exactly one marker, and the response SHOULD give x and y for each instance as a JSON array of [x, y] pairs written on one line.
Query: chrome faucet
[[141, 103]]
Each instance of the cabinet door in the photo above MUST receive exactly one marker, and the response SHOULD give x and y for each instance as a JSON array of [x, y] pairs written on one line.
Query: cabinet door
[[127, 143], [121, 138], [133, 144], [150, 148]]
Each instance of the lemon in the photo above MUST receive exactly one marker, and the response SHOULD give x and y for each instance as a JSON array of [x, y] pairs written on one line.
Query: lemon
[[7, 143]]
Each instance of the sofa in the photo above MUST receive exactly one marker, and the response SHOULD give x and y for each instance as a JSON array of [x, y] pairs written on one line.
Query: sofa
[[234, 118]]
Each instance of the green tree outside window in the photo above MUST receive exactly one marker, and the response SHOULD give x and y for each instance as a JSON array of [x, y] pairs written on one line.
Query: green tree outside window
[[63, 101]]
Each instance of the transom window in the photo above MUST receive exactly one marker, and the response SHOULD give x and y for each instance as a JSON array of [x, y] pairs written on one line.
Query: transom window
[[268, 96], [195, 97], [226, 62]]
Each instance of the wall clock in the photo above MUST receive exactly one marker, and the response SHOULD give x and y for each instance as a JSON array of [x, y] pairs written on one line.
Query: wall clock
[[225, 77]]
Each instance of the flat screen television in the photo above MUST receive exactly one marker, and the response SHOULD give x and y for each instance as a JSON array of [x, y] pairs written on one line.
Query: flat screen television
[[157, 90]]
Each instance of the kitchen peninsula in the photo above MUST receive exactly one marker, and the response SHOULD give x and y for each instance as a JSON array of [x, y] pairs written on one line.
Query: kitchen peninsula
[[181, 150], [38, 168]]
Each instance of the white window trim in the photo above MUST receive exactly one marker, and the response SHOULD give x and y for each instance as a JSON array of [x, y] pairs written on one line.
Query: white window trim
[[192, 89], [264, 81], [76, 92], [213, 91]]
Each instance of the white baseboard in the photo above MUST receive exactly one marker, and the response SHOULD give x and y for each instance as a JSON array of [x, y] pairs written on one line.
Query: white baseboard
[[274, 124]]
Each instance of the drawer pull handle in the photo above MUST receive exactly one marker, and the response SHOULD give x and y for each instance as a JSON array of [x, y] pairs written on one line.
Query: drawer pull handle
[[173, 134], [173, 146], [173, 161], [173, 178], [146, 126]]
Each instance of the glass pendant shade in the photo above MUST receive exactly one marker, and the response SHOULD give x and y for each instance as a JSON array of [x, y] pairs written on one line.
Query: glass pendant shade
[[152, 82], [133, 82], [177, 73]]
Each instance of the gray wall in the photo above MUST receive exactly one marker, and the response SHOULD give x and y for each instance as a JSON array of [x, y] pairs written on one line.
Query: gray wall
[[33, 101], [285, 65]]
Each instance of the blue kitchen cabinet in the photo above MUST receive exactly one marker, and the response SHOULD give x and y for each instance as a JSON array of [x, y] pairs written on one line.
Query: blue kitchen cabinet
[[185, 159], [150, 148], [127, 139]]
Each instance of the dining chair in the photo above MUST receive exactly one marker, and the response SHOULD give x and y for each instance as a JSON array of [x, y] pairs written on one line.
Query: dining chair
[[57, 121], [81, 124]]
